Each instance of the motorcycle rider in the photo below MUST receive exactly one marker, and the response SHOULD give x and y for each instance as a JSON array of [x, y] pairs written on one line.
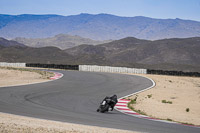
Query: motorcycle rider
[[113, 101]]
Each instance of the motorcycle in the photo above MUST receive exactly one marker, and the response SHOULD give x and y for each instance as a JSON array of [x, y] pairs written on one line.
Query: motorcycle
[[106, 105]]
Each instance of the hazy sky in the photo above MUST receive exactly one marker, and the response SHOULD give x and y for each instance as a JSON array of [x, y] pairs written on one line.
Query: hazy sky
[[184, 9]]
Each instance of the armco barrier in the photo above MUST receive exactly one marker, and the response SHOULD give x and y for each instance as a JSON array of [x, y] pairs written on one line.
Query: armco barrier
[[173, 73], [56, 66], [5, 64], [94, 68]]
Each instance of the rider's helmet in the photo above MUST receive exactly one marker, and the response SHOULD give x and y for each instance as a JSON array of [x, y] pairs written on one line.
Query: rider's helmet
[[114, 97]]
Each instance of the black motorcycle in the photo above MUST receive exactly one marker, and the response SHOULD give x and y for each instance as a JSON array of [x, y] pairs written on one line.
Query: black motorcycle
[[106, 105]]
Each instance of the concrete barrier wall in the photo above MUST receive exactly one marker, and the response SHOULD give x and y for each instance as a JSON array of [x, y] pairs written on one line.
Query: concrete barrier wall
[[94, 68], [5, 64]]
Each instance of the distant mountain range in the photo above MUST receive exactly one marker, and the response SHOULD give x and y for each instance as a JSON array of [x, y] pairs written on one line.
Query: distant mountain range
[[166, 54], [7, 43], [96, 27], [61, 41]]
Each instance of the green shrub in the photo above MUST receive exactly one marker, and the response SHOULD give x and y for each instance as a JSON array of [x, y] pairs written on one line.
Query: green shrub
[[187, 109], [149, 96], [165, 101], [169, 119]]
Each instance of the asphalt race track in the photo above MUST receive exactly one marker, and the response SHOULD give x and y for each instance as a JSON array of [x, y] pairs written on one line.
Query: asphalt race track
[[75, 97]]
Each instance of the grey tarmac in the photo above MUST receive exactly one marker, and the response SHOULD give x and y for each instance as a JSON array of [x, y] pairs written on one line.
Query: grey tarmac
[[75, 97]]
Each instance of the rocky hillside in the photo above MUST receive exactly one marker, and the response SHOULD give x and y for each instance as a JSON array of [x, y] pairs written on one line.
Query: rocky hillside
[[135, 52], [11, 51]]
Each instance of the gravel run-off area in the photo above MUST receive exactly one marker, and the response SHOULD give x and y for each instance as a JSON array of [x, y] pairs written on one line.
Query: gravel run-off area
[[173, 98]]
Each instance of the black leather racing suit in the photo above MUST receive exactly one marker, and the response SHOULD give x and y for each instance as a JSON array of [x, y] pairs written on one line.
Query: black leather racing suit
[[113, 101]]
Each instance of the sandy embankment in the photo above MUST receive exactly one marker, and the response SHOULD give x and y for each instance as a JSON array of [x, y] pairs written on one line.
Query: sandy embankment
[[12, 77], [183, 92], [20, 124]]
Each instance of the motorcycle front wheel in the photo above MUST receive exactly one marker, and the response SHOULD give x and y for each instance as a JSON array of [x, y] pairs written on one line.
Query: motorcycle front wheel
[[104, 109]]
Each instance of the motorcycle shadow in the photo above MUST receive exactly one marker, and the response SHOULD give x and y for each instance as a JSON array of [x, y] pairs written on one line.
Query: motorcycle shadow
[[113, 112]]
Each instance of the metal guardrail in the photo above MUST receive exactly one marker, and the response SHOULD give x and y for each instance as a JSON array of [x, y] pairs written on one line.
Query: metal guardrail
[[56, 66], [173, 73]]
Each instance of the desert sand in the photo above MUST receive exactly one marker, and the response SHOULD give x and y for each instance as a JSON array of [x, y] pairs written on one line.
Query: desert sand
[[182, 96], [12, 77], [20, 124]]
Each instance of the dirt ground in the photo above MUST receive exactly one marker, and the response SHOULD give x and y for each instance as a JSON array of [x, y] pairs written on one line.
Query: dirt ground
[[173, 98], [12, 77], [19, 124]]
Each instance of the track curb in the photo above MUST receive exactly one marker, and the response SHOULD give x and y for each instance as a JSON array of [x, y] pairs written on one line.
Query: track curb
[[57, 75]]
